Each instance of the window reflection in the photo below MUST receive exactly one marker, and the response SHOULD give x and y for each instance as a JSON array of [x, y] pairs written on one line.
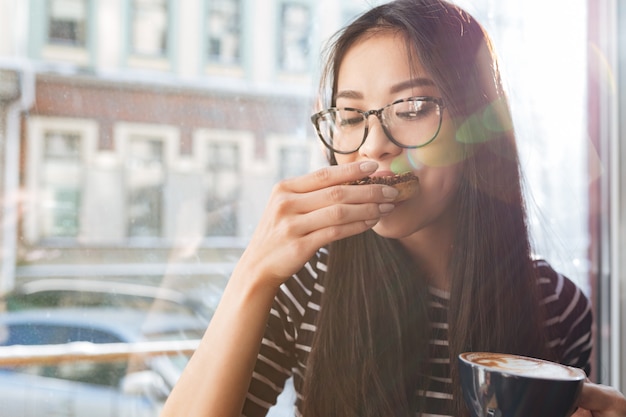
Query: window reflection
[[150, 132], [91, 372], [104, 108], [125, 137]]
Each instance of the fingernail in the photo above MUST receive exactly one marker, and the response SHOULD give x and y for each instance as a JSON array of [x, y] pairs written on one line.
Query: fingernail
[[368, 166], [385, 208], [390, 192], [371, 223]]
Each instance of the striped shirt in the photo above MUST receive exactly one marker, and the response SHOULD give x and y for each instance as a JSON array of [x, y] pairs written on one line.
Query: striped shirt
[[291, 326]]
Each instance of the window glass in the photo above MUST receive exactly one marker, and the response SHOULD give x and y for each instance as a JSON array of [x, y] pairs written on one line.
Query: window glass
[[149, 27], [109, 374], [145, 177], [116, 173], [67, 22], [294, 161], [224, 32], [91, 372], [542, 66], [222, 180], [295, 33], [61, 184]]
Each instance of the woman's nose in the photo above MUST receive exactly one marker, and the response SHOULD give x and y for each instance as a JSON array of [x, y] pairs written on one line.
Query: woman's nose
[[377, 145]]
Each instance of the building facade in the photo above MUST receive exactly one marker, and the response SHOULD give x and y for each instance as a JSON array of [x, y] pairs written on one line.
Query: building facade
[[149, 133]]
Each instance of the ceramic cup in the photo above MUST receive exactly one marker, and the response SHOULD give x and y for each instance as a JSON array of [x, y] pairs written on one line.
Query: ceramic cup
[[503, 385]]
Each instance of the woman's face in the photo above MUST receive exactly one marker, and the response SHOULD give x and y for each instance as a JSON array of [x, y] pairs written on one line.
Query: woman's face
[[375, 72]]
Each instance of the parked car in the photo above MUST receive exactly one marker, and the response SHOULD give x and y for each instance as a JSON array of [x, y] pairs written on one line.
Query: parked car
[[68, 312], [80, 310], [59, 292]]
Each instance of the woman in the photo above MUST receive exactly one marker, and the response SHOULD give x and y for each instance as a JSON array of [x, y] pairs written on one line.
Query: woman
[[367, 301]]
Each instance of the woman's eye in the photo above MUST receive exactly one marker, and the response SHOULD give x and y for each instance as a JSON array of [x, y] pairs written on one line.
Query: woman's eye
[[415, 110], [409, 115], [351, 121]]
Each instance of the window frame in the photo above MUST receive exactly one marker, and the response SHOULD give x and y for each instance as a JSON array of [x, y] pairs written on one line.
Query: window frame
[[164, 62], [607, 226], [621, 325], [37, 128], [618, 285], [277, 143], [278, 59], [216, 66], [41, 47], [244, 140], [170, 136]]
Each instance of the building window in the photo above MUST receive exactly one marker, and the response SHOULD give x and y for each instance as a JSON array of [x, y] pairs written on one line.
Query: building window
[[224, 32], [291, 156], [222, 182], [295, 36], [61, 175], [145, 178], [67, 21], [149, 27]]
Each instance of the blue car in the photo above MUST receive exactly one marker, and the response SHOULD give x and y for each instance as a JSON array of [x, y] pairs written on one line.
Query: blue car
[[84, 319]]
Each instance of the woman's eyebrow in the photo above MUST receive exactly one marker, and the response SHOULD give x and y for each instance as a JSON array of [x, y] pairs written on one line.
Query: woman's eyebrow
[[413, 82], [396, 88], [349, 94]]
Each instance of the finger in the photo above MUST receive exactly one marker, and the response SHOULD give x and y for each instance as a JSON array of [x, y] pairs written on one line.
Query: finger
[[340, 220], [330, 175], [597, 397], [580, 412], [344, 194], [324, 236], [348, 213]]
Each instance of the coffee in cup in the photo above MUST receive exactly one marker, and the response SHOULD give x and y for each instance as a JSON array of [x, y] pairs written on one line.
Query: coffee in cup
[[505, 385]]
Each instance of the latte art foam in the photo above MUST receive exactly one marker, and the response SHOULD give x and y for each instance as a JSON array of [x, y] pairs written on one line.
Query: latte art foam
[[524, 366]]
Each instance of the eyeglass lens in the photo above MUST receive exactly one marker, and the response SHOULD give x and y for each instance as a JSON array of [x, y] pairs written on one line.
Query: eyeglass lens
[[409, 123]]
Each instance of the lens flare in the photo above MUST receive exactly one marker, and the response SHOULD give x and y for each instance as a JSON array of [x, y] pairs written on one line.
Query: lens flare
[[486, 124], [403, 163]]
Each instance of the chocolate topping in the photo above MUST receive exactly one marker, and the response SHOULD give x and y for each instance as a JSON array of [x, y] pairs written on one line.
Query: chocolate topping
[[386, 180]]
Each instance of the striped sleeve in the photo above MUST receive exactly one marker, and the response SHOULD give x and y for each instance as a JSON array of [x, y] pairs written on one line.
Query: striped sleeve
[[278, 355], [568, 318]]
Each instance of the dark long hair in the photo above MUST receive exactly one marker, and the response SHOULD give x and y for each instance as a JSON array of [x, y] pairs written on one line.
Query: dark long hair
[[370, 351]]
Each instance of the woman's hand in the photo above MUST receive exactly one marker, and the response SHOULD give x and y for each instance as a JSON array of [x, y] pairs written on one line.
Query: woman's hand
[[600, 401], [310, 211], [302, 215]]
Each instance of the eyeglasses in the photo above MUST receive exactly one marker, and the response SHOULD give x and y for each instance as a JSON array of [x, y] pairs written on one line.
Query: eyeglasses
[[409, 123]]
